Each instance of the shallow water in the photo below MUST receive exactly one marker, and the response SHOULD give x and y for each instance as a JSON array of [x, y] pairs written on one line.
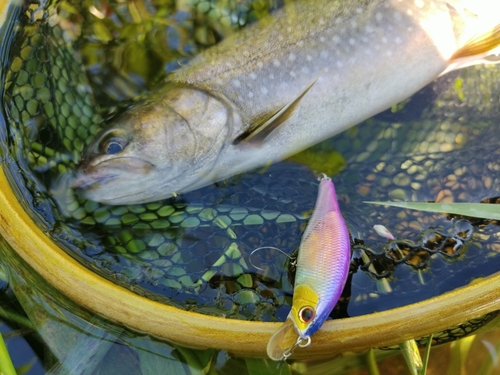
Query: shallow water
[[441, 146]]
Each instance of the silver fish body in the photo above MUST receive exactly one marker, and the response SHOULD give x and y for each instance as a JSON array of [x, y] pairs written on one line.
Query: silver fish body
[[301, 76]]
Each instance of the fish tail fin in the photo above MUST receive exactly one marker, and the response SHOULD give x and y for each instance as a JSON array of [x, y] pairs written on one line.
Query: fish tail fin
[[483, 44], [483, 48]]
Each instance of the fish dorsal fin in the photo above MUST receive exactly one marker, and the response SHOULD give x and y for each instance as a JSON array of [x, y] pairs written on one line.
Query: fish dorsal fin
[[260, 131]]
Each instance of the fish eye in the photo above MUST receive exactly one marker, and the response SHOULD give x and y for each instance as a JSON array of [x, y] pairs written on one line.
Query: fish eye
[[307, 314], [112, 146]]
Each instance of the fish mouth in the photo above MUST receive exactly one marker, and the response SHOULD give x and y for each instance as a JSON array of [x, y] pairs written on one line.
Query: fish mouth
[[104, 171], [123, 163], [84, 182]]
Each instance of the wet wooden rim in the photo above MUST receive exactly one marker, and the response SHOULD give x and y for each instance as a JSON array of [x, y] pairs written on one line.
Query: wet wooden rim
[[239, 337]]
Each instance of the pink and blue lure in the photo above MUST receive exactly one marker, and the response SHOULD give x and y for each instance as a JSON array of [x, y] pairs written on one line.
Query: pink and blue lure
[[322, 270]]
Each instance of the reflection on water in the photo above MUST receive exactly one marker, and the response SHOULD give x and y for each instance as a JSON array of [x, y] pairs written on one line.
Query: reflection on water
[[193, 252], [79, 342]]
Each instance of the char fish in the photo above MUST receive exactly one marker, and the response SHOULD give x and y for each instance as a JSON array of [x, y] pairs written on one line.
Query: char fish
[[298, 77]]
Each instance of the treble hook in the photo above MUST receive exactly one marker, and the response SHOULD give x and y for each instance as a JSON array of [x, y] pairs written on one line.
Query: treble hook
[[302, 342], [271, 248]]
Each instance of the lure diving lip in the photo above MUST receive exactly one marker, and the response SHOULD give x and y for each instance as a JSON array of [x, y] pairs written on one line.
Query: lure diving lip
[[322, 271]]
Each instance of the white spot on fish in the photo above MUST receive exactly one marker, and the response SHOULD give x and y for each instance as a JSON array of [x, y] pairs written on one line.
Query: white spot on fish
[[419, 3], [305, 70], [335, 39], [300, 43], [253, 75], [384, 40], [388, 53], [264, 90], [324, 54], [352, 60], [236, 83], [321, 38], [250, 94], [398, 40], [260, 64], [354, 24], [292, 73], [378, 16], [410, 29], [292, 57], [409, 12], [309, 58], [359, 10], [271, 76], [397, 16], [276, 63], [369, 29], [339, 64], [352, 42]]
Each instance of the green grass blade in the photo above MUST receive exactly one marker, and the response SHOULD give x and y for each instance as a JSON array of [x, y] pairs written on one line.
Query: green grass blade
[[12, 316], [371, 362], [6, 365], [259, 366], [481, 210], [459, 351], [198, 361], [426, 355], [410, 351]]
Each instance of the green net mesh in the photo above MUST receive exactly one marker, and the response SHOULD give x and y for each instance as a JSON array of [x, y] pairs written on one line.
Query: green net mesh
[[196, 251]]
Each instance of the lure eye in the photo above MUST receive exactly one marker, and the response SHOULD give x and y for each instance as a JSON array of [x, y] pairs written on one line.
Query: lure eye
[[307, 314]]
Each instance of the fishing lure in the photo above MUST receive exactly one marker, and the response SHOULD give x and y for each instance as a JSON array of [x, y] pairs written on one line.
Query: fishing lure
[[322, 270]]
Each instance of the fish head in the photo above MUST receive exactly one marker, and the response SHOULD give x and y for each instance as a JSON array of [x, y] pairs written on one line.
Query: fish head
[[155, 150]]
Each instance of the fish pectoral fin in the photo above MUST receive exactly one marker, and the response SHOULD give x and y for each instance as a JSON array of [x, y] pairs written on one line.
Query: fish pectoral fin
[[259, 132], [282, 341]]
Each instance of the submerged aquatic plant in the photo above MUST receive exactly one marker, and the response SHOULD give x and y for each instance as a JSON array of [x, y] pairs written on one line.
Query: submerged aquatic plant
[[479, 210]]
